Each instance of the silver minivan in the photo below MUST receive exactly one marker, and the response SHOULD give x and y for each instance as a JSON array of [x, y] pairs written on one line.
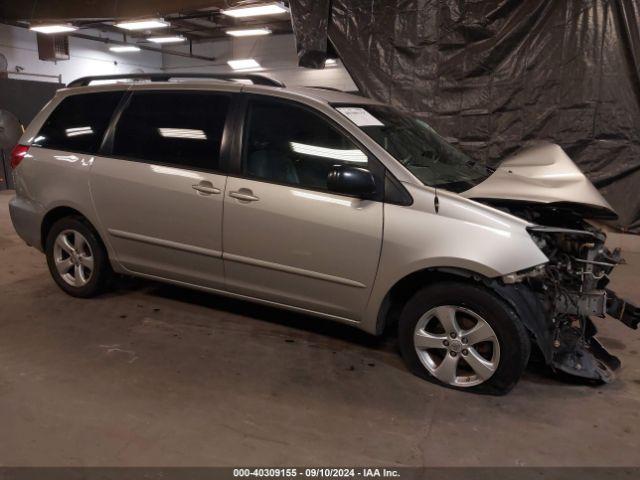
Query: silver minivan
[[325, 203]]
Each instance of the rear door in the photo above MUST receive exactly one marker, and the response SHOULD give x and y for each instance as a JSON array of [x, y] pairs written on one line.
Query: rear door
[[287, 239], [159, 191]]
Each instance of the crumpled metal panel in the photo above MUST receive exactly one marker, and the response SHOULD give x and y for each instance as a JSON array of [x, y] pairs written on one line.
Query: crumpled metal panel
[[541, 174], [494, 76]]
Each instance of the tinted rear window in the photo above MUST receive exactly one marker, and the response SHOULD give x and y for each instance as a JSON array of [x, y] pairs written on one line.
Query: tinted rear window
[[177, 128], [79, 122]]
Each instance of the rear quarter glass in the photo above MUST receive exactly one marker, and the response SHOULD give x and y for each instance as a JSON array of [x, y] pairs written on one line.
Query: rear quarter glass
[[79, 122]]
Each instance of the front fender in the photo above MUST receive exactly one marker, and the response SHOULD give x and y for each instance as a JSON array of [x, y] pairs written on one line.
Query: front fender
[[463, 234]]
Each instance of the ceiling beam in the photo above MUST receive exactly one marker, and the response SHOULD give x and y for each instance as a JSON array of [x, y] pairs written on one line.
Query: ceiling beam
[[143, 47], [110, 41], [200, 32], [203, 25], [70, 10]]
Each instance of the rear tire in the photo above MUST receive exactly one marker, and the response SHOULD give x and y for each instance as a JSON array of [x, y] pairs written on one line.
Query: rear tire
[[464, 337], [76, 258]]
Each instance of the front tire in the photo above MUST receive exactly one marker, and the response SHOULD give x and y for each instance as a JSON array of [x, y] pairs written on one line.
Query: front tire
[[76, 258], [463, 336]]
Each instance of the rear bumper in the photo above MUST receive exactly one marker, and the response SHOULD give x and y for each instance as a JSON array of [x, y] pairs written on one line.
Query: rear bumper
[[26, 219]]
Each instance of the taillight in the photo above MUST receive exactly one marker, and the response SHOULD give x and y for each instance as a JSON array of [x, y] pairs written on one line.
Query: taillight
[[17, 154]]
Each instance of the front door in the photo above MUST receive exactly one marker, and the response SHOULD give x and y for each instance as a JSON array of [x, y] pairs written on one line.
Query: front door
[[159, 194], [286, 238]]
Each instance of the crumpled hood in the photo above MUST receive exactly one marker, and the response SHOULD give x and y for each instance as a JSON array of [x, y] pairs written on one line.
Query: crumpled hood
[[543, 174]]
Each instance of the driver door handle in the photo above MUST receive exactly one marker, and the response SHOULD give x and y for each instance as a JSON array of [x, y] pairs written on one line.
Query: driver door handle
[[244, 194]]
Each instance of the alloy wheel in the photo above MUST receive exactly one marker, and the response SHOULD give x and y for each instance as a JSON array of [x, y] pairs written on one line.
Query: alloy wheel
[[73, 258], [457, 346]]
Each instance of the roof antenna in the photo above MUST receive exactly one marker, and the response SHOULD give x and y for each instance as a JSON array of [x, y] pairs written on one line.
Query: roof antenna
[[436, 200]]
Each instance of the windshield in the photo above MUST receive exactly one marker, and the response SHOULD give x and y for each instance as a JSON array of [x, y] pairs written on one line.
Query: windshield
[[417, 146]]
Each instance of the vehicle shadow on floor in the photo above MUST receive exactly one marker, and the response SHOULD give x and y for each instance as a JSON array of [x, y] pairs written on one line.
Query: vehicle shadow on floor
[[255, 311], [300, 324]]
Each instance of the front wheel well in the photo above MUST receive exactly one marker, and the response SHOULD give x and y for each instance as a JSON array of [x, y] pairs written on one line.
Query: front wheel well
[[406, 287], [52, 217]]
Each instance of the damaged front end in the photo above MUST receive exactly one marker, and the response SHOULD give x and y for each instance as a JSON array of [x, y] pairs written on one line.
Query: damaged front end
[[564, 293], [573, 288], [542, 185]]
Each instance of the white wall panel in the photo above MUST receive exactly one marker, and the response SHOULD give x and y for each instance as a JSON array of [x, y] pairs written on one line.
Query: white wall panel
[[276, 54], [87, 57]]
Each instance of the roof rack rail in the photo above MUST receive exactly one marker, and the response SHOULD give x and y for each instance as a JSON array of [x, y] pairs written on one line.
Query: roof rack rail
[[165, 77], [331, 89]]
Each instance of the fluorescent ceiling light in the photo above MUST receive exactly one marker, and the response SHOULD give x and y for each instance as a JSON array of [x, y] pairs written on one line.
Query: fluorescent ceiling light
[[243, 64], [250, 32], [58, 28], [143, 24], [354, 155], [124, 48], [268, 9], [174, 39]]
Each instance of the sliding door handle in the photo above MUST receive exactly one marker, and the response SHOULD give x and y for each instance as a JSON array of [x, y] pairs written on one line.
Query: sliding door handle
[[244, 194], [206, 189]]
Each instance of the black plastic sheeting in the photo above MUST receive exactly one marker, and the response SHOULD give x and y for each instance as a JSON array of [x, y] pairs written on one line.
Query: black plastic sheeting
[[493, 76]]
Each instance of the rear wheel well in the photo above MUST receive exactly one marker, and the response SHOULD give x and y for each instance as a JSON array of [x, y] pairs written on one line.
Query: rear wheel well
[[52, 217], [405, 288]]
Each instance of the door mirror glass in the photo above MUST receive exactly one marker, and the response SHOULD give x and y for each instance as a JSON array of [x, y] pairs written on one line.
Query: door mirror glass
[[349, 180]]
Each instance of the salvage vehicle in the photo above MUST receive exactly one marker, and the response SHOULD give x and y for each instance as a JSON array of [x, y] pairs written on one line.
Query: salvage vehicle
[[325, 203]]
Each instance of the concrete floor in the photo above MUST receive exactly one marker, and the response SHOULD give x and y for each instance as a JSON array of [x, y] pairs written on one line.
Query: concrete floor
[[155, 375]]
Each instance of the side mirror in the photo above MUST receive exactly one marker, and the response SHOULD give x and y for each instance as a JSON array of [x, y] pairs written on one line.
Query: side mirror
[[349, 180]]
